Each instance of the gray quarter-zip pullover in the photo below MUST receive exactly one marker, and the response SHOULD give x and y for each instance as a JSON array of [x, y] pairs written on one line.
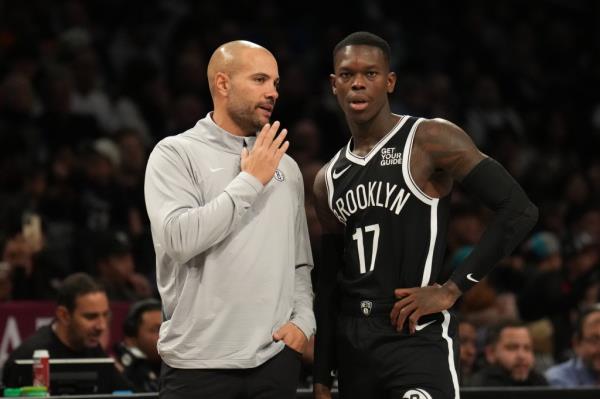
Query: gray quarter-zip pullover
[[233, 258]]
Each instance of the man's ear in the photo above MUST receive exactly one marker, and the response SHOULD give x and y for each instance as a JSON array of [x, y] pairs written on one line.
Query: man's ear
[[391, 82], [332, 81], [222, 83], [63, 315]]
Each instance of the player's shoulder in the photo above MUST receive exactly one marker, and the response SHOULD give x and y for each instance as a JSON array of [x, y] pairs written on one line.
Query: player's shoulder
[[438, 131], [435, 126]]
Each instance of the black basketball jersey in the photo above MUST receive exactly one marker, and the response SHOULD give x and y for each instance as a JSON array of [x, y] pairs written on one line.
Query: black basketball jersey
[[394, 233]]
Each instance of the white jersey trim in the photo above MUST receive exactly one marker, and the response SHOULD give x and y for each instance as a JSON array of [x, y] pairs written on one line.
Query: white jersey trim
[[451, 365], [433, 227], [364, 160], [329, 181], [412, 186]]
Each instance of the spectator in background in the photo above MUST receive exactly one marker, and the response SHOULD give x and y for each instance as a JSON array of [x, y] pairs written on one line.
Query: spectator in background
[[584, 368], [6, 287], [137, 353], [32, 273], [467, 336], [465, 227], [61, 125], [509, 354], [82, 316], [89, 98], [130, 179], [116, 268]]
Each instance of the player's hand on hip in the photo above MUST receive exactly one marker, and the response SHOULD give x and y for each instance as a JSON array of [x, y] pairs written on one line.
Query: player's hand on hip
[[419, 301], [321, 391], [291, 336], [268, 150]]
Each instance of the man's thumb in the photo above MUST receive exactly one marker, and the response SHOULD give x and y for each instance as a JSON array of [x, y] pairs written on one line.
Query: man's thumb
[[244, 153]]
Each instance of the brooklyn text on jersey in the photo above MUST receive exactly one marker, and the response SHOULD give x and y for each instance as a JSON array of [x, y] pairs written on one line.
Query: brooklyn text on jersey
[[374, 193]]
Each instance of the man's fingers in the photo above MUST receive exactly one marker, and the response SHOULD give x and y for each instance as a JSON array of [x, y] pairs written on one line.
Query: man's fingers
[[402, 292], [261, 136], [281, 150], [397, 307], [412, 321], [278, 140], [405, 312], [269, 134]]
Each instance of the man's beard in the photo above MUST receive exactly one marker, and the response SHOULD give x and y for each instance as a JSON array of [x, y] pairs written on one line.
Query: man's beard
[[246, 118], [77, 341]]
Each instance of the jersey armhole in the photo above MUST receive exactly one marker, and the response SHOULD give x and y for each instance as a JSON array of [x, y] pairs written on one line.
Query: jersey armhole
[[412, 186], [329, 180]]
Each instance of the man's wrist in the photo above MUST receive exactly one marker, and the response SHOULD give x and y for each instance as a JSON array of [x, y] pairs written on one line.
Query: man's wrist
[[453, 291]]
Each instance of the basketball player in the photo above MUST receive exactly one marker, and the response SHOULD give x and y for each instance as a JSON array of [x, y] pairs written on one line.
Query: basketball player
[[383, 201]]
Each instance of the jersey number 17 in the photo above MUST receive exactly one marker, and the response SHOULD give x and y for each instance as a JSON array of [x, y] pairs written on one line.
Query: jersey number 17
[[358, 236]]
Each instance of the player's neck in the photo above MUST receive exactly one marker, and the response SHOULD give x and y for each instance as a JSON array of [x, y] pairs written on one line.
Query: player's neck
[[366, 135]]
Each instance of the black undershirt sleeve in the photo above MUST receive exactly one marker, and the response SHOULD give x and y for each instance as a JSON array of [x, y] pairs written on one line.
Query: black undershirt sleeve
[[514, 216], [326, 308]]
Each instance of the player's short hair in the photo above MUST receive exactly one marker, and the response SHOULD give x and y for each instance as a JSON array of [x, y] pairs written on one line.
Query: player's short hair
[[494, 332], [364, 39], [74, 286]]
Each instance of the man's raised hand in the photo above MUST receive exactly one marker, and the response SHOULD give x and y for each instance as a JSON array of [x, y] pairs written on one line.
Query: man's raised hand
[[268, 150]]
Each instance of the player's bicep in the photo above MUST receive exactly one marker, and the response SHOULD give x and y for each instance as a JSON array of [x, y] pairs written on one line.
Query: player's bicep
[[450, 148]]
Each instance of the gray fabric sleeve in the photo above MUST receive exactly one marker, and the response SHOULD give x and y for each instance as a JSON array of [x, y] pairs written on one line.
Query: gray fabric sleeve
[[303, 315], [184, 225]]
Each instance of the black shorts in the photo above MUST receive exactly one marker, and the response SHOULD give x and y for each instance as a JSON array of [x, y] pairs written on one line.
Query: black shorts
[[375, 361], [277, 378]]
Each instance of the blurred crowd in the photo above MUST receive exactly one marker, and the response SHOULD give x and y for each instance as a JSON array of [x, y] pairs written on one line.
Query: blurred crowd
[[87, 88]]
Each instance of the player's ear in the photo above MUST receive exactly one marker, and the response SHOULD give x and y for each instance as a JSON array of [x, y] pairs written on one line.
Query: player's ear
[[391, 82], [332, 81]]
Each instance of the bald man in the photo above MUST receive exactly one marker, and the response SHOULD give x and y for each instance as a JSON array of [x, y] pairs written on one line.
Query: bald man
[[233, 258]]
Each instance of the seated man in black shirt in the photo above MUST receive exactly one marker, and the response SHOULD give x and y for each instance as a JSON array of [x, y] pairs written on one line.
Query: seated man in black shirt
[[509, 353], [82, 316], [138, 353]]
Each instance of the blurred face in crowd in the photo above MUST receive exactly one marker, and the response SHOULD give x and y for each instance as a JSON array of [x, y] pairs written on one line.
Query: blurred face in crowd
[[133, 154], [361, 82], [468, 345], [588, 348], [147, 335], [513, 352], [17, 252], [117, 268], [84, 326], [253, 90]]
